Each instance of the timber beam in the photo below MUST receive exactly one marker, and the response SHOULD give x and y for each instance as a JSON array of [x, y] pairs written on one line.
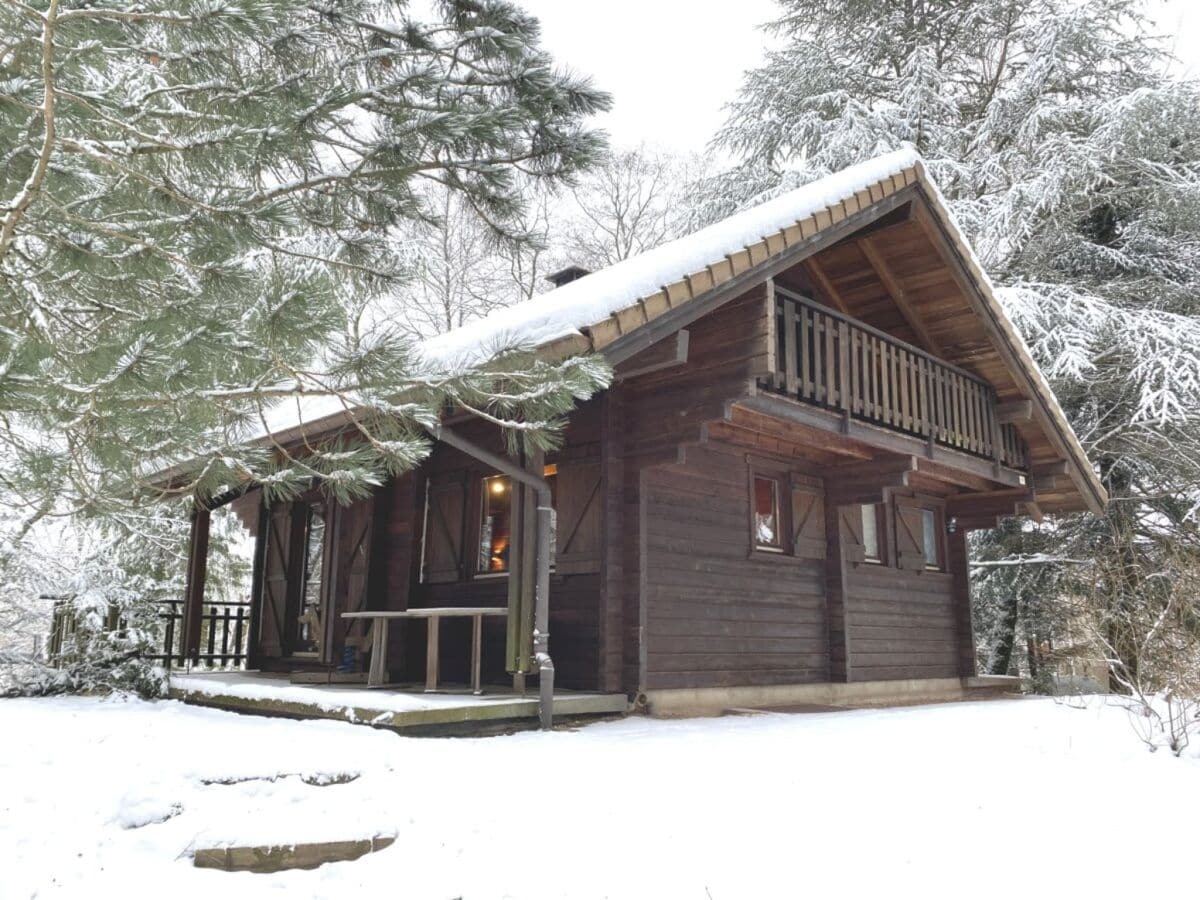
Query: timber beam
[[989, 503], [1048, 483], [866, 482], [1014, 411], [852, 432], [976, 523], [1055, 467], [822, 280], [904, 302]]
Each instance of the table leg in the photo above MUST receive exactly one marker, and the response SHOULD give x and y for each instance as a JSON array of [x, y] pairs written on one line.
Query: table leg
[[379, 647], [431, 655], [476, 649]]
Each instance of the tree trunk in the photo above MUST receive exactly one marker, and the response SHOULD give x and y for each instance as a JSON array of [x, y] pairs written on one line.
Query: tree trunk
[[1003, 638]]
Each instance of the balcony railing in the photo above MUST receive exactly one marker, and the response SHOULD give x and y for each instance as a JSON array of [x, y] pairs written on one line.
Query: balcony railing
[[833, 361]]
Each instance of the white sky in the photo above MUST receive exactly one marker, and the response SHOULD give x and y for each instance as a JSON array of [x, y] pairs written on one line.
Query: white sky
[[672, 64]]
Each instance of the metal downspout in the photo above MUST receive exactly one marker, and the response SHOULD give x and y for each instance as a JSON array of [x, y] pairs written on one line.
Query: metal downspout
[[541, 590]]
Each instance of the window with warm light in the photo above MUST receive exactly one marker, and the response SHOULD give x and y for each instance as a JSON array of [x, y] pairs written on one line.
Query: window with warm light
[[767, 531], [495, 526]]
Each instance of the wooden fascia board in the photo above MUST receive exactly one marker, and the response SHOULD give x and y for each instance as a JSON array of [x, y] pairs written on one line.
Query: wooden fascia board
[[1050, 417], [684, 313]]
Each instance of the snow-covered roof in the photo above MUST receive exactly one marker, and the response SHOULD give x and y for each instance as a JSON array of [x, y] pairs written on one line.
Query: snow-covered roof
[[566, 313], [592, 312]]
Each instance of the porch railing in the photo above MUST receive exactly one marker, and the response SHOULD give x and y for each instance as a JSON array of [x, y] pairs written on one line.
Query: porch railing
[[833, 361], [224, 633]]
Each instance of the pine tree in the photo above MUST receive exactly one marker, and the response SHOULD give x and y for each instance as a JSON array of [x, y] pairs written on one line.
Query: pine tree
[[1073, 163], [199, 202]]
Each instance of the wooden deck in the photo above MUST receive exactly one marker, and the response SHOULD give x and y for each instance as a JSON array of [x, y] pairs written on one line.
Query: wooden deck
[[414, 711]]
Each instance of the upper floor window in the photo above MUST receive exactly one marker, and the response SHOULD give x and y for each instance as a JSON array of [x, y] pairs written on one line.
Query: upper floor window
[[872, 532], [931, 537], [768, 531]]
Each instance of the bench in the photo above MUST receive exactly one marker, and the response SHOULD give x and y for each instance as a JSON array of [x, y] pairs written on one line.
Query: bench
[[377, 676]]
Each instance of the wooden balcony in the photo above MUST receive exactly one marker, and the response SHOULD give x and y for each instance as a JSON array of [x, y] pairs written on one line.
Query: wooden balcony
[[835, 362]]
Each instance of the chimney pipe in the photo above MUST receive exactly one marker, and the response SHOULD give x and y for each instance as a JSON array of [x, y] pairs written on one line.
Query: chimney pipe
[[567, 275]]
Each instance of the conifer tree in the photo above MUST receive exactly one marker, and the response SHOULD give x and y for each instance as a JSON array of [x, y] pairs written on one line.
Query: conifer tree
[[1073, 163], [198, 200]]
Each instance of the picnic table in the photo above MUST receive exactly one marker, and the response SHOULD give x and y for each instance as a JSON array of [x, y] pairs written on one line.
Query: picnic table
[[377, 675]]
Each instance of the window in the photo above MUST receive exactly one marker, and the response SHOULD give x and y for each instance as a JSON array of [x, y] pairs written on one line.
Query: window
[[309, 621], [768, 534], [931, 538], [550, 473], [872, 532], [495, 526]]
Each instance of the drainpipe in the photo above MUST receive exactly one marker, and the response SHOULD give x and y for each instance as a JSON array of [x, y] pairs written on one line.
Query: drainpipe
[[541, 591]]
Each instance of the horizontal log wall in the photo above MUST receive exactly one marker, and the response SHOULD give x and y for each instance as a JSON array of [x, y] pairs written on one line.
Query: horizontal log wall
[[900, 624], [717, 615]]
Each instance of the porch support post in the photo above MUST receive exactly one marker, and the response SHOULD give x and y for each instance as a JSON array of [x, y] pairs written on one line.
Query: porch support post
[[193, 593], [253, 654], [835, 595], [957, 559]]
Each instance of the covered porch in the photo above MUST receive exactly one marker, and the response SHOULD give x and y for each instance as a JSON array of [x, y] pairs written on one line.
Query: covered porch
[[350, 604]]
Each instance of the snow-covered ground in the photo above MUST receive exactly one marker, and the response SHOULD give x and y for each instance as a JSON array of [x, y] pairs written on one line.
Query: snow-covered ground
[[108, 798]]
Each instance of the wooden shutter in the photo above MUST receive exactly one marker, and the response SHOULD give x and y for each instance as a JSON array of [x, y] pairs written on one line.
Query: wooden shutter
[[910, 536], [354, 531], [273, 614], [808, 522], [578, 534], [851, 533], [444, 514]]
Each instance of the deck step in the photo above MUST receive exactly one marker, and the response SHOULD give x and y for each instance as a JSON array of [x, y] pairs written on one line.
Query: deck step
[[280, 857]]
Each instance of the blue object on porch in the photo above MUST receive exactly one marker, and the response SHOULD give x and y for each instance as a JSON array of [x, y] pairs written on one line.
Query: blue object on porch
[[349, 660]]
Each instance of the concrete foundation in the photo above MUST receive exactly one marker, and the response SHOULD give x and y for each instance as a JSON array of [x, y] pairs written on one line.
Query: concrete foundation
[[715, 701]]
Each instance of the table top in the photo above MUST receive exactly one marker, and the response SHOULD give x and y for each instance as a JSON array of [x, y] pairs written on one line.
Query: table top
[[428, 612]]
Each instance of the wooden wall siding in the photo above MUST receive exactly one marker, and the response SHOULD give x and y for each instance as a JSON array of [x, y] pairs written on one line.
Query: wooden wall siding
[[726, 349], [397, 534], [354, 533], [574, 629], [900, 624], [613, 536], [276, 567], [716, 614]]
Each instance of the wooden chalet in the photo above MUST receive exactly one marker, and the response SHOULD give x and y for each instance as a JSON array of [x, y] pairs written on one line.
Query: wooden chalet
[[767, 507]]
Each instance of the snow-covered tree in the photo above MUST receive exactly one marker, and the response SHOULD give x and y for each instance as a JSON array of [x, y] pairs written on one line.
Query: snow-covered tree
[[634, 200], [456, 274], [199, 200], [1072, 160], [110, 577]]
